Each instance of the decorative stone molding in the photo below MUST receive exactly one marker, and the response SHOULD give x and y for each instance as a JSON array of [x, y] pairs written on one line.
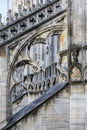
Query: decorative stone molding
[[62, 72], [33, 85], [40, 83], [75, 55], [29, 22], [85, 74], [76, 74]]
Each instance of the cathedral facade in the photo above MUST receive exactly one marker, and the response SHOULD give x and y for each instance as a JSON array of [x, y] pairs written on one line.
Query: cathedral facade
[[43, 66]]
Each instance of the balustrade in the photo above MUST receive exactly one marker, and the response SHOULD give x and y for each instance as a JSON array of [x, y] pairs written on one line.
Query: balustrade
[[37, 83], [27, 19]]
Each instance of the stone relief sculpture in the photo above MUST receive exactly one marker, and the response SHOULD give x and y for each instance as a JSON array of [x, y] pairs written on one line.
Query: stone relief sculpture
[[75, 74], [62, 71], [75, 71]]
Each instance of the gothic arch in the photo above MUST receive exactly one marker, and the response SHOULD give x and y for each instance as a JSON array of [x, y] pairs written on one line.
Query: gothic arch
[[56, 32], [37, 41], [28, 41], [31, 87], [20, 64]]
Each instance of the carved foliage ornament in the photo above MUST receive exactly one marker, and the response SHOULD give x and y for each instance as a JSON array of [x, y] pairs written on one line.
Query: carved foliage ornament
[[75, 74]]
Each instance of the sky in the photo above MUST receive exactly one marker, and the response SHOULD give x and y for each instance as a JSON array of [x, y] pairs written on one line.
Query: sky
[[3, 8]]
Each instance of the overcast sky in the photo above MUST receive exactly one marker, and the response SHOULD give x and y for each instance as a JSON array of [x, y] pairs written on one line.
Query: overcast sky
[[3, 7]]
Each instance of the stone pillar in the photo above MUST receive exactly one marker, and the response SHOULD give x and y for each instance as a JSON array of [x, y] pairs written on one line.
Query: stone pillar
[[77, 107], [3, 90], [78, 22], [86, 107]]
